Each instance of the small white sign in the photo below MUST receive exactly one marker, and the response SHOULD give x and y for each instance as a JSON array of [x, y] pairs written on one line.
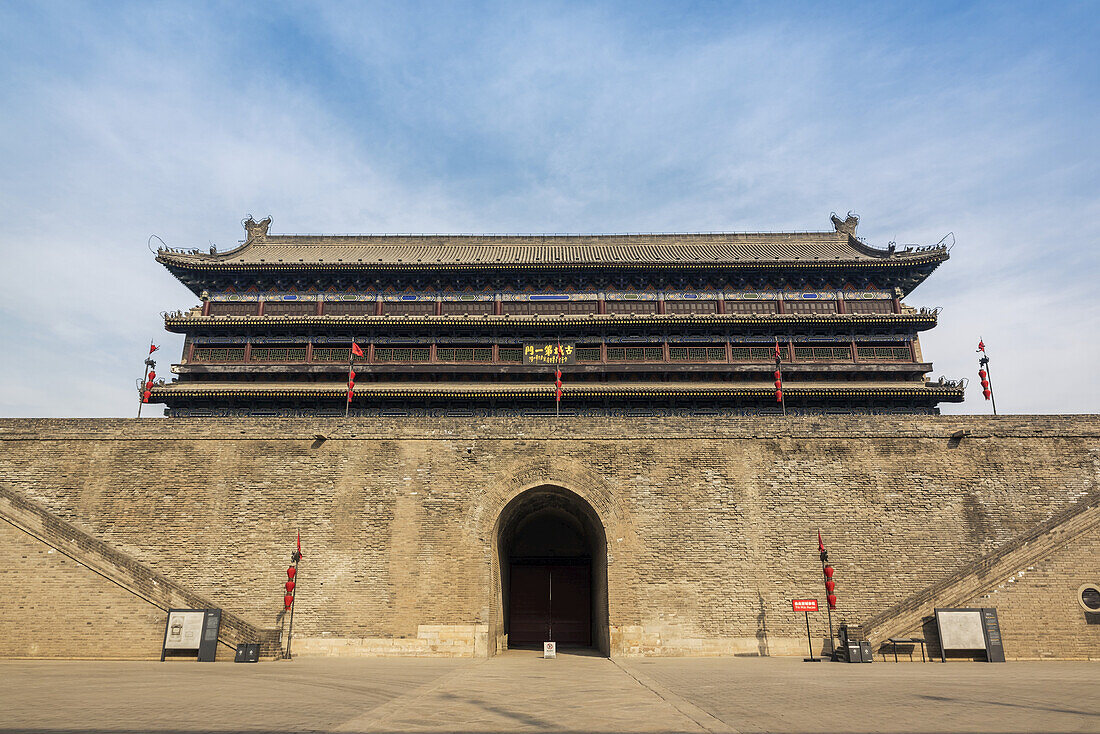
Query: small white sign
[[549, 649]]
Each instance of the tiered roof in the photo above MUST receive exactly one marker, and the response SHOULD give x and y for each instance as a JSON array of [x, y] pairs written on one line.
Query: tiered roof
[[267, 252]]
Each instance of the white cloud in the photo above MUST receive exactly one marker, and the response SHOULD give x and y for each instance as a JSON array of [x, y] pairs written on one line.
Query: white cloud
[[563, 119]]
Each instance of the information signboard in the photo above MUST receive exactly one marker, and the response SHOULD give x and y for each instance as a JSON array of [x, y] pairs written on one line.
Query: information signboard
[[970, 629], [549, 649], [804, 605], [192, 631], [549, 353]]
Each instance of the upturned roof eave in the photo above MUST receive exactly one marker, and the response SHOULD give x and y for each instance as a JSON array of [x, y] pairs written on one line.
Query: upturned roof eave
[[198, 276]]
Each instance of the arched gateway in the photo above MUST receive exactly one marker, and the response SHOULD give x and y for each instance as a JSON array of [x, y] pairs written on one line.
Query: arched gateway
[[551, 561]]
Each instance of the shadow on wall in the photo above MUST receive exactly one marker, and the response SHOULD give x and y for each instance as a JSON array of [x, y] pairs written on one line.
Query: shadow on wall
[[761, 628]]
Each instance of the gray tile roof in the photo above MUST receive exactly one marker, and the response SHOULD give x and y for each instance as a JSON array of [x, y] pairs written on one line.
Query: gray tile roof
[[502, 251]]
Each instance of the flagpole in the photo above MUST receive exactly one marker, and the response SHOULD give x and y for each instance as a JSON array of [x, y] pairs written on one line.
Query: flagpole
[[351, 366], [141, 390], [782, 395], [145, 378], [989, 378], [295, 556], [983, 362], [828, 608]]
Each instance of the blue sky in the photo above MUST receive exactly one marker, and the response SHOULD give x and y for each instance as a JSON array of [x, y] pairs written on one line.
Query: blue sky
[[124, 120]]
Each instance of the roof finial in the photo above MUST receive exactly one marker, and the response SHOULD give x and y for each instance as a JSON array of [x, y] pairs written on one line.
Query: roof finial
[[847, 225], [256, 229]]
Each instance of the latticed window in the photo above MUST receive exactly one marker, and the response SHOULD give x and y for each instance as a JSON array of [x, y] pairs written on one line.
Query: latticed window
[[550, 308], [691, 306], [400, 354], [707, 353], [278, 354], [218, 354], [810, 306], [331, 354], [750, 307], [290, 308], [510, 354], [349, 308], [469, 307], [234, 308], [625, 307], [588, 352], [877, 306], [823, 353], [758, 353], [463, 354], [886, 353], [409, 308], [636, 354]]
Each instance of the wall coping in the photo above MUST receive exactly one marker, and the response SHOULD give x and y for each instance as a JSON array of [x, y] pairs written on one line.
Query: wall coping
[[550, 428]]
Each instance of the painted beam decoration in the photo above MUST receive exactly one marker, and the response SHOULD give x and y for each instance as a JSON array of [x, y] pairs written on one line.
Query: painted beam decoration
[[549, 353]]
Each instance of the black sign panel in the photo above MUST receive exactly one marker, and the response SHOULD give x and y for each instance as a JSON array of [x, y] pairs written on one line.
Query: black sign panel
[[549, 353], [994, 647]]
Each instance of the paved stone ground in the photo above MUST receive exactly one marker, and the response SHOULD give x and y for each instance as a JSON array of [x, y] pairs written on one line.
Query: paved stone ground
[[519, 692]]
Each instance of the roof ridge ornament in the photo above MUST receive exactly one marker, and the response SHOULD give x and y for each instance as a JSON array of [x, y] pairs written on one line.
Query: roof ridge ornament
[[847, 225], [256, 229]]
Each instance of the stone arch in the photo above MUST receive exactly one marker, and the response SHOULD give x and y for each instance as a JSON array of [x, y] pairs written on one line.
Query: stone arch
[[589, 494], [519, 478]]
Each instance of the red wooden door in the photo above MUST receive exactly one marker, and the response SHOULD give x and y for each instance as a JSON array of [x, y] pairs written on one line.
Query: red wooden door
[[570, 605], [549, 603], [529, 605]]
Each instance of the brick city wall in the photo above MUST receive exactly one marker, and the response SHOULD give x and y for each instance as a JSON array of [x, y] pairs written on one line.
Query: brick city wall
[[710, 522]]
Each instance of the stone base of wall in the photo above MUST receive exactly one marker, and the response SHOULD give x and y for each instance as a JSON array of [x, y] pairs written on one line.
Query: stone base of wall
[[432, 640], [652, 641]]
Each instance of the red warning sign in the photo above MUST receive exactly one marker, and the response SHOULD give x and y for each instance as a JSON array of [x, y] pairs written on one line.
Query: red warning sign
[[804, 605]]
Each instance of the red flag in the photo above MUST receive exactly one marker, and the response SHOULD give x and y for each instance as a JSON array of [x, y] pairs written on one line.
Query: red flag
[[981, 345], [356, 350], [153, 348], [777, 356], [820, 543], [299, 543]]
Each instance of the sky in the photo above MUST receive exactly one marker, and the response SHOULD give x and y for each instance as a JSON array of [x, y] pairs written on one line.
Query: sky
[[119, 121]]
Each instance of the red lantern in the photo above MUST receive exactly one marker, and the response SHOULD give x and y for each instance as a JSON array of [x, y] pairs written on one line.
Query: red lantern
[[987, 394], [145, 396], [779, 396], [288, 600], [830, 586], [829, 571], [981, 374], [832, 601], [289, 587], [351, 375], [349, 395], [152, 376], [778, 375], [290, 573], [559, 394], [557, 374], [778, 384], [558, 383]]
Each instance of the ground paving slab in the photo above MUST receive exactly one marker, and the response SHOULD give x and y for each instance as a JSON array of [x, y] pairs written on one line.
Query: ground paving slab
[[521, 692]]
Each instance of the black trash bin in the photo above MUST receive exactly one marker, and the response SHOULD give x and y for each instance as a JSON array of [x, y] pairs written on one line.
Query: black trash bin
[[247, 652], [854, 647]]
